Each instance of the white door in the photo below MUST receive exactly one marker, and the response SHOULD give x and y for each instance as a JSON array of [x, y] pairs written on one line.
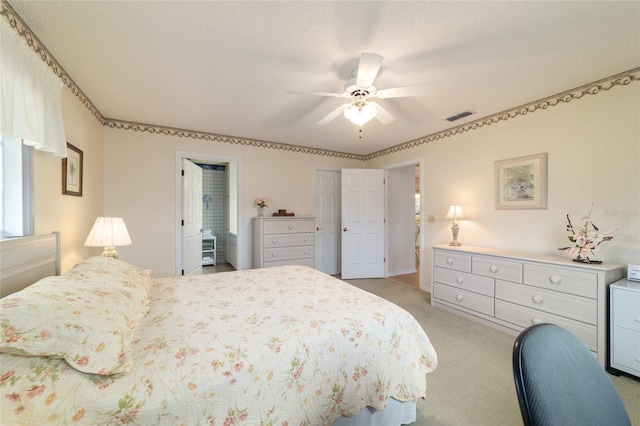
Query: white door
[[362, 223], [191, 218], [327, 211]]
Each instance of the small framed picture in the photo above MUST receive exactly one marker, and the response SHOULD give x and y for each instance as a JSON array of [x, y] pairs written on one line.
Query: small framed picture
[[72, 172], [521, 183]]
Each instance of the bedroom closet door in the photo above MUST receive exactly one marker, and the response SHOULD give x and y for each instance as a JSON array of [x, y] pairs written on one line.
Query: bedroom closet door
[[363, 242], [191, 218]]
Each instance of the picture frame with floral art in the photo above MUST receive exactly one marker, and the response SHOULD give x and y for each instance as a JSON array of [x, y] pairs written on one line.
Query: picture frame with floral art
[[521, 183], [72, 171]]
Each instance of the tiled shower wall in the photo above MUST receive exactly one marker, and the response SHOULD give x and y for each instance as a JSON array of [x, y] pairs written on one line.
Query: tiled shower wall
[[215, 206]]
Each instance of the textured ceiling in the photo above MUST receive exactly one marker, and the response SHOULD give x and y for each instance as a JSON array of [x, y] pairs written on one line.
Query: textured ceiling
[[230, 68]]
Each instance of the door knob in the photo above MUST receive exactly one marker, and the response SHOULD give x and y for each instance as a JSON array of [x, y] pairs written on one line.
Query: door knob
[[345, 229], [317, 228]]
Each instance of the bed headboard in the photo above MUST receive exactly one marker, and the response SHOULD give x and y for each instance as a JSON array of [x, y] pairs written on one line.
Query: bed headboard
[[24, 260]]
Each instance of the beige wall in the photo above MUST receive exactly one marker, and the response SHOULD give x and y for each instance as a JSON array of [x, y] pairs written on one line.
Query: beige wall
[[72, 216], [140, 186], [593, 147]]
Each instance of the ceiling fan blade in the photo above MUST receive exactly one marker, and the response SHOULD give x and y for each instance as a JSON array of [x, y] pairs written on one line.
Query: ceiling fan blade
[[383, 115], [334, 95], [403, 92], [368, 69], [332, 115]]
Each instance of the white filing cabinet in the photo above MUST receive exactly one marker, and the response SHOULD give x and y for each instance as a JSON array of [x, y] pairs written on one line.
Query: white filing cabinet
[[511, 291], [285, 240], [624, 344]]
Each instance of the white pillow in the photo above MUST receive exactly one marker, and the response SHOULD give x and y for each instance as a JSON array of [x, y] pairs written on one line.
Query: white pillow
[[86, 316]]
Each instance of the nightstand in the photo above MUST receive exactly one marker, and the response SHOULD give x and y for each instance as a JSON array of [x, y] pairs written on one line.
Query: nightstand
[[624, 328]]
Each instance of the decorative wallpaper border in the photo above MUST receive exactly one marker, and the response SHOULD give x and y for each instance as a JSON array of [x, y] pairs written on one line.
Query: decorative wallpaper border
[[34, 42], [594, 88]]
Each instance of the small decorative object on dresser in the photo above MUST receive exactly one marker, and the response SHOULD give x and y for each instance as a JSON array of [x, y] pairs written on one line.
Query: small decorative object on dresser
[[585, 238], [281, 241], [624, 338], [511, 291], [261, 203]]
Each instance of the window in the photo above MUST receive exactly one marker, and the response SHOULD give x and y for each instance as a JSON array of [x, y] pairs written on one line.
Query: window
[[16, 188]]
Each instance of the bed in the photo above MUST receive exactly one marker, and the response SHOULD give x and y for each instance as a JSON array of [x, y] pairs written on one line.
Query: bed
[[107, 344]]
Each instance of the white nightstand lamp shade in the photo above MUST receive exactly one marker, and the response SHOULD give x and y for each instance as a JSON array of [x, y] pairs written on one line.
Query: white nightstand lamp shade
[[455, 213], [108, 232]]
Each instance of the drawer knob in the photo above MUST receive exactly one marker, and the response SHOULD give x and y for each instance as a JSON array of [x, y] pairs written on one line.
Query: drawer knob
[[493, 268], [536, 320], [638, 319], [305, 252], [290, 226], [449, 261], [459, 298], [537, 299], [274, 254], [459, 280], [305, 239], [274, 240], [554, 279]]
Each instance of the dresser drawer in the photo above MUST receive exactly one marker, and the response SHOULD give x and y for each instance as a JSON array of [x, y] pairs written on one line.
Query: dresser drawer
[[285, 253], [564, 305], [626, 349], [464, 281], [566, 280], [497, 268], [463, 298], [287, 240], [309, 261], [455, 261], [283, 226], [524, 317], [626, 309]]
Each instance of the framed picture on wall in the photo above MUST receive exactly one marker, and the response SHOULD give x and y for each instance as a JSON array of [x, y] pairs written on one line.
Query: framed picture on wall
[[521, 183], [72, 172]]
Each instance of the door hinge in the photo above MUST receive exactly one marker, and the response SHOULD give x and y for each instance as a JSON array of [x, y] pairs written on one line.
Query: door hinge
[[182, 222], [183, 272], [384, 220], [182, 172]]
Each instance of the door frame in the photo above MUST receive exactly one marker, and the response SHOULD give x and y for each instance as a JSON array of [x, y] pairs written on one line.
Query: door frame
[[412, 162], [195, 156]]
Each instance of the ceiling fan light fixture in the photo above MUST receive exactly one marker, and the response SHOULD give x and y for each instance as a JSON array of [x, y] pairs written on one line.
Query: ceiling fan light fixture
[[360, 113]]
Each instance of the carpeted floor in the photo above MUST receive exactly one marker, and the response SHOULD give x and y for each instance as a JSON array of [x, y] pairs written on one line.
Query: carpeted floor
[[473, 384]]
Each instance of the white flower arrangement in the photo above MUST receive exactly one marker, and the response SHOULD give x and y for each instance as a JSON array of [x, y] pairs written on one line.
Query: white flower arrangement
[[262, 202], [585, 238]]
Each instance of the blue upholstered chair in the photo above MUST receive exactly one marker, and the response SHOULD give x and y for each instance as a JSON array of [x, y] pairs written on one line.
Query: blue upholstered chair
[[560, 382]]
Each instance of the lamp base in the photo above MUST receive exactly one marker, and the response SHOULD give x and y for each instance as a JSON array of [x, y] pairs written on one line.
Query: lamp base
[[110, 252], [454, 230]]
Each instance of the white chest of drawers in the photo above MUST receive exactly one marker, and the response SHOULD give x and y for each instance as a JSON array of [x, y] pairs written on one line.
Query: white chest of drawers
[[624, 349], [281, 241], [511, 291]]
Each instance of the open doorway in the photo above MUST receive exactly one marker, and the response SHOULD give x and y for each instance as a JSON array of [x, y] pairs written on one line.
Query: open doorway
[[404, 223], [221, 212]]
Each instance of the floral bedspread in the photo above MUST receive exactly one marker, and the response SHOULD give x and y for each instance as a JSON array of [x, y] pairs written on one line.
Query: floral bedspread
[[277, 346]]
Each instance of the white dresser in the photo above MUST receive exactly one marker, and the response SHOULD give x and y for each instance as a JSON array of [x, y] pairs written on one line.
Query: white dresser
[[511, 291], [281, 241], [624, 341]]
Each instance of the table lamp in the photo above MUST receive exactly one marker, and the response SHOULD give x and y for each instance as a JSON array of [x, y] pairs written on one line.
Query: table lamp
[[108, 232], [455, 213]]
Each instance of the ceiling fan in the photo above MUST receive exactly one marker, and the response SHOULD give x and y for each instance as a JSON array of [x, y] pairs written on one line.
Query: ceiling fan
[[360, 90]]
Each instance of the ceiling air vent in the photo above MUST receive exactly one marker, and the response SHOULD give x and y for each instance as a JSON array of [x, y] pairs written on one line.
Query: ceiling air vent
[[459, 116]]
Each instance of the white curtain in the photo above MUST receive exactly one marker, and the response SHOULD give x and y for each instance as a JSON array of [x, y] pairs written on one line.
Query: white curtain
[[30, 102]]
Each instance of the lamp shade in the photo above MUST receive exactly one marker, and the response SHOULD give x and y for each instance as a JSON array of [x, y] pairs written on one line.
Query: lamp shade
[[455, 213], [108, 232]]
